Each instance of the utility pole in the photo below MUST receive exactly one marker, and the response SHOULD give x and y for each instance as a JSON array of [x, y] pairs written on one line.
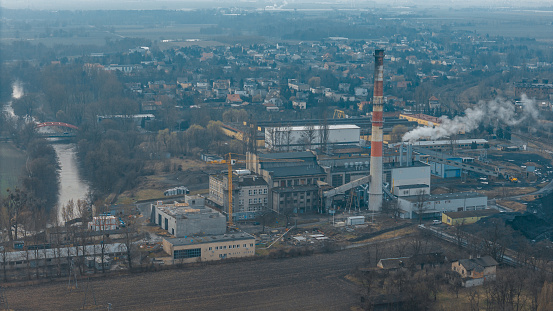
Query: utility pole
[[93, 294], [72, 275]]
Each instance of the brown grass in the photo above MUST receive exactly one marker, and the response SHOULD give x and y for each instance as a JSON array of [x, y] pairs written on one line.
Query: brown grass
[[500, 192], [516, 206]]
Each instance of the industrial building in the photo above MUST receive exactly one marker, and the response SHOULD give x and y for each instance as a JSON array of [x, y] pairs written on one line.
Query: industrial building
[[541, 90], [191, 217], [209, 248], [446, 145], [291, 178], [410, 178], [432, 206], [250, 193], [299, 138], [466, 217], [103, 223]]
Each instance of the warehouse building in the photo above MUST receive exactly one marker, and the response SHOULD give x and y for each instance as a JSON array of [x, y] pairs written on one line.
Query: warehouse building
[[187, 218], [432, 206], [209, 248]]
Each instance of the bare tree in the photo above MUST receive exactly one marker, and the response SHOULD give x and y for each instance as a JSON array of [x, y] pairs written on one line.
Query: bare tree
[[323, 135], [308, 136], [420, 204], [391, 208], [474, 300], [495, 239], [130, 233], [14, 204], [287, 136], [460, 235], [265, 217], [287, 212]]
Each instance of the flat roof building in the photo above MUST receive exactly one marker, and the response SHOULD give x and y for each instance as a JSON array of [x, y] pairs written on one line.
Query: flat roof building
[[188, 218], [432, 206], [209, 248]]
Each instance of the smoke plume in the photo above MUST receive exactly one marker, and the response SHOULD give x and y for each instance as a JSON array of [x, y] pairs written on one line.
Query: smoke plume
[[494, 112], [17, 90]]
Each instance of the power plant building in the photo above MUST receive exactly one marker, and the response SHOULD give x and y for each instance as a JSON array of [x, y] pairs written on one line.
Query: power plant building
[[407, 180], [291, 177]]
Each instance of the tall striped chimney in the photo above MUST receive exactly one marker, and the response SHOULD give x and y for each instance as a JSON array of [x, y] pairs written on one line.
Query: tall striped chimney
[[375, 187]]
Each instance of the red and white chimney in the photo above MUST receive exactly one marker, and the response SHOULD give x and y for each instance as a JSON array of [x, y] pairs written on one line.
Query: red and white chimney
[[375, 187]]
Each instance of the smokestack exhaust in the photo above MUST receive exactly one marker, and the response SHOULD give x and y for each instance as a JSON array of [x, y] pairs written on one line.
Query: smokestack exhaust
[[375, 188]]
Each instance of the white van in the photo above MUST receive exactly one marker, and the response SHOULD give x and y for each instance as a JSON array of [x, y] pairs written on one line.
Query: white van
[[436, 222]]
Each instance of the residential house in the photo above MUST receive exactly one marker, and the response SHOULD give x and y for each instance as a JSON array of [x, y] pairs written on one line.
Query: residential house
[[475, 271]]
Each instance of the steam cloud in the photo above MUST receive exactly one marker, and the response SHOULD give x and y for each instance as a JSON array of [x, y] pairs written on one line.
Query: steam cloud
[[17, 90], [495, 112]]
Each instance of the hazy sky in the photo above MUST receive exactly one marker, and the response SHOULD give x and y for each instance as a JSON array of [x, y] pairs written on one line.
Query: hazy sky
[[188, 4]]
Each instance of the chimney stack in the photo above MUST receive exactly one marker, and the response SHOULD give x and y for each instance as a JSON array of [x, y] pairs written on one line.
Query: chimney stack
[[375, 188]]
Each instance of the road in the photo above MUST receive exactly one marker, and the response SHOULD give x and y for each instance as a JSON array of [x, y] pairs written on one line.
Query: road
[[303, 283]]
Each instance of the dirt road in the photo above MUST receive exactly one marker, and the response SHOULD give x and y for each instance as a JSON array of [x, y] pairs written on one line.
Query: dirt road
[[304, 283]]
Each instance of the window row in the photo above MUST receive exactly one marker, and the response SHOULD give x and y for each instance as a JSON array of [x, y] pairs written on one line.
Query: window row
[[187, 253], [229, 246], [257, 191]]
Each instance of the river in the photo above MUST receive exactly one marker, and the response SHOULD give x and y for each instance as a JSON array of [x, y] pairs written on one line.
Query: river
[[72, 186]]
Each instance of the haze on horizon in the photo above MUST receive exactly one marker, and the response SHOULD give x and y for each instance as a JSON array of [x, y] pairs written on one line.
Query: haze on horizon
[[284, 4]]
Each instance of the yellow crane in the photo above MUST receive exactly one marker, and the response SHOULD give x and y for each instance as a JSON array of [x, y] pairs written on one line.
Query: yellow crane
[[229, 161], [339, 114]]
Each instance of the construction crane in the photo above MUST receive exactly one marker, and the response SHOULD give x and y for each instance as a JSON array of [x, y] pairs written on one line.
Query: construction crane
[[339, 114], [229, 161]]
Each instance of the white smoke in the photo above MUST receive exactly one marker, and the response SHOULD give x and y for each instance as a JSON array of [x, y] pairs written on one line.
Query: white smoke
[[17, 90], [494, 112]]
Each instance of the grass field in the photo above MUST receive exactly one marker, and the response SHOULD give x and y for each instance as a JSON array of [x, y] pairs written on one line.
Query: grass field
[[11, 165]]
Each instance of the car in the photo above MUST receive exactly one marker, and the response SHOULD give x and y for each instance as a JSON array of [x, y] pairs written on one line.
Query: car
[[436, 222]]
